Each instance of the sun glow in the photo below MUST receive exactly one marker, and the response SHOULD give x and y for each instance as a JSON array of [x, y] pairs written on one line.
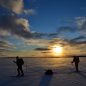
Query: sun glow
[[57, 50]]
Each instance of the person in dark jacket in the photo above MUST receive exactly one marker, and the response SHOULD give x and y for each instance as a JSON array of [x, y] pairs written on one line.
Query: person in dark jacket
[[19, 62], [76, 61]]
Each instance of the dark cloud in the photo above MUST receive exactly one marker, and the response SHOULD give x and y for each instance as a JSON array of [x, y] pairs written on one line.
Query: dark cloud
[[80, 38], [42, 49], [66, 29], [7, 22], [62, 31], [53, 35], [5, 45], [5, 48], [58, 41], [10, 22], [21, 27], [38, 34], [17, 26], [83, 26], [45, 52]]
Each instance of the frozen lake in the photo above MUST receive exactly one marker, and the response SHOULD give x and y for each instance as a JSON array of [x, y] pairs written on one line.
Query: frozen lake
[[34, 68]]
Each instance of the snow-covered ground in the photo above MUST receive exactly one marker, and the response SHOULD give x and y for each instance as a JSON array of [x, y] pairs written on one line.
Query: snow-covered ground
[[34, 69]]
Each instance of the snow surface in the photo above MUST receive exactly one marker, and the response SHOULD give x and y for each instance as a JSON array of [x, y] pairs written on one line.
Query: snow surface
[[34, 69]]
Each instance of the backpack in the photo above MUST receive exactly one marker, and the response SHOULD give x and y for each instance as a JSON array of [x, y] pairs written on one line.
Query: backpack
[[21, 61], [49, 72]]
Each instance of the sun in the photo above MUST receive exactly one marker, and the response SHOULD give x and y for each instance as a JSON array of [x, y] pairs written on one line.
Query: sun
[[57, 50]]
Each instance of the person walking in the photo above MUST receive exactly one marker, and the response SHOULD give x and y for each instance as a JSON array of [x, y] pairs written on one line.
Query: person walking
[[19, 62], [76, 61]]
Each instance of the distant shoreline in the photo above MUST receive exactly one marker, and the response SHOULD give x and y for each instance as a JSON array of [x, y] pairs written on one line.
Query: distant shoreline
[[46, 57]]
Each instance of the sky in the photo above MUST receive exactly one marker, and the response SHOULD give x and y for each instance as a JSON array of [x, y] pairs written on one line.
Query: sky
[[31, 28]]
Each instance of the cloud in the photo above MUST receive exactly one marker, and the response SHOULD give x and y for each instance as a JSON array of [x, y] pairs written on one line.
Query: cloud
[[63, 32], [4, 45], [80, 38], [37, 42], [71, 47], [23, 23], [13, 25], [6, 48], [69, 43], [17, 26], [42, 49], [66, 29], [4, 33], [81, 22], [52, 35], [45, 52], [14, 5], [21, 26], [59, 42], [30, 12], [77, 27]]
